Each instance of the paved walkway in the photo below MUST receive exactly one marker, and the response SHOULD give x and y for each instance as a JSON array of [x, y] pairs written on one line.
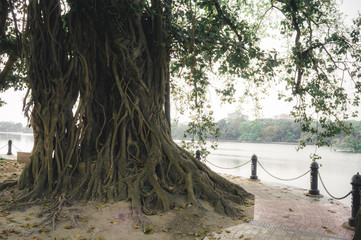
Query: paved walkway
[[285, 213], [5, 156]]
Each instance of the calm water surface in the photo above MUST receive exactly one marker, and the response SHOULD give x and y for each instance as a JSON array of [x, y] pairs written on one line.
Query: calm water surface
[[22, 142], [283, 161]]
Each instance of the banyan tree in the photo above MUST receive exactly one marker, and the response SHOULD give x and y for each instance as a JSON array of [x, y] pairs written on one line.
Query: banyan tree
[[99, 79]]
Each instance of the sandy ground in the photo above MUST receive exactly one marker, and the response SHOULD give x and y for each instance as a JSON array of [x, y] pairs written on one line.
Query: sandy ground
[[103, 220]]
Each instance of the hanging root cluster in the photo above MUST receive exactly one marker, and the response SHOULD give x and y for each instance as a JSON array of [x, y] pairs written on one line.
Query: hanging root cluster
[[98, 90]]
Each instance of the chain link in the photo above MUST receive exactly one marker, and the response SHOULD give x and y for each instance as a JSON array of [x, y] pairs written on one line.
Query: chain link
[[282, 179], [319, 175], [4, 146], [17, 148], [230, 167]]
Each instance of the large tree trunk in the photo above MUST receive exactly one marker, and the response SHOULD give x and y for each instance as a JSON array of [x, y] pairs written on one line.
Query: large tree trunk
[[116, 144]]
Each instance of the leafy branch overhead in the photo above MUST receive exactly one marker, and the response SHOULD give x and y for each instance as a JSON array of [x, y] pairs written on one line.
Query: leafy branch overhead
[[322, 66], [12, 74], [319, 62]]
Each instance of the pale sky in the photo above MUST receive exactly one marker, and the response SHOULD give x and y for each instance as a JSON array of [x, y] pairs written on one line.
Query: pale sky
[[12, 111]]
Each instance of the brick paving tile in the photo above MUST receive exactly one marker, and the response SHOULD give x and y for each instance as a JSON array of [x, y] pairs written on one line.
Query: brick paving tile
[[258, 231], [320, 218]]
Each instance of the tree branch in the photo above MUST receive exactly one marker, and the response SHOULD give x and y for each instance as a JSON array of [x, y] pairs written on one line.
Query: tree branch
[[227, 20], [12, 50], [4, 10], [18, 36], [294, 10], [9, 64], [6, 46]]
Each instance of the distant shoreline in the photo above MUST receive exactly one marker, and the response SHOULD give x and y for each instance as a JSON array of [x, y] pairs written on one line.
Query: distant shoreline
[[281, 143], [236, 141], [18, 133]]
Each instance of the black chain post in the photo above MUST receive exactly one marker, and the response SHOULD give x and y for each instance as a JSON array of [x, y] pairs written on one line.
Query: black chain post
[[356, 184], [9, 147], [198, 155], [254, 167], [314, 180]]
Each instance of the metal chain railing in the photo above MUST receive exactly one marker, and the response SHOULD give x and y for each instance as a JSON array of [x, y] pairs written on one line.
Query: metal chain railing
[[17, 148], [319, 176], [4, 146], [282, 179], [10, 144], [314, 174], [229, 167]]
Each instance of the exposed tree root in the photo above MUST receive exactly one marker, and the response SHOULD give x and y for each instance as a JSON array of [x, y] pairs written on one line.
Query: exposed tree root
[[7, 184], [55, 211]]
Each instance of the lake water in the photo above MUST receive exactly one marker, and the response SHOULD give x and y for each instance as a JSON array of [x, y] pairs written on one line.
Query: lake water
[[283, 161], [21, 142]]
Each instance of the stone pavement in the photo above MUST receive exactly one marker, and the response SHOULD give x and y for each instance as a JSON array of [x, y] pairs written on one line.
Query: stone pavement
[[282, 212], [10, 157]]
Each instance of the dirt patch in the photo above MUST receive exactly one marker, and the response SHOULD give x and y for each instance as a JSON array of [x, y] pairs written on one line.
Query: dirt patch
[[10, 169], [104, 220]]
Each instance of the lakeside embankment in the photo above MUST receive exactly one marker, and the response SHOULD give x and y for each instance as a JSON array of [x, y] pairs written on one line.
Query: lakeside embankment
[[284, 212]]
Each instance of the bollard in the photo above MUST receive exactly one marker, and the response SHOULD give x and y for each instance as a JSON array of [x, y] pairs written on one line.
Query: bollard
[[9, 147], [198, 155], [254, 167], [314, 180], [355, 202]]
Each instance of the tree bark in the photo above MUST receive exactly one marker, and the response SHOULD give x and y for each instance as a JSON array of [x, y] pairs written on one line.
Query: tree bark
[[111, 61]]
